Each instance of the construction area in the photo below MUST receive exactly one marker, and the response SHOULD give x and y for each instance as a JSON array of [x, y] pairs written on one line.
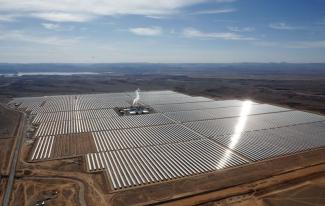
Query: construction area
[[168, 139]]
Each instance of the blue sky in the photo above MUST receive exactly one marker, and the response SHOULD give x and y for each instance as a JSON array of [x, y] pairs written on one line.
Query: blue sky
[[165, 31]]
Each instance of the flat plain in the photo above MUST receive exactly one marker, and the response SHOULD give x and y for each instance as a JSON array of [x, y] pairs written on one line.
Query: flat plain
[[264, 183]]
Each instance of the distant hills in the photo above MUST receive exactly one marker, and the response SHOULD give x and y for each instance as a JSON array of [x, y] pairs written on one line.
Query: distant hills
[[150, 68]]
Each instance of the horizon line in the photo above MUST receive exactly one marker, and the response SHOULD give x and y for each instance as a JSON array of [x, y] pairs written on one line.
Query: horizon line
[[162, 63]]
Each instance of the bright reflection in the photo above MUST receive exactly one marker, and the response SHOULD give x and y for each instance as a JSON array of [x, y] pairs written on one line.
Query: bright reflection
[[239, 128]]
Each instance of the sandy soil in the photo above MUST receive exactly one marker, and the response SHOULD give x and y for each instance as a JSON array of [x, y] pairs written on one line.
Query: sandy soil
[[300, 193], [9, 121], [5, 152], [3, 183], [28, 192], [55, 175], [310, 192], [70, 145]]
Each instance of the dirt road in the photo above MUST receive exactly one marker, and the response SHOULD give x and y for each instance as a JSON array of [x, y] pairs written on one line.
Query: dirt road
[[13, 164]]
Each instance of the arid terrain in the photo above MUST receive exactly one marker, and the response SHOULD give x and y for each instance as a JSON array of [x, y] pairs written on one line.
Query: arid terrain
[[304, 91], [9, 123], [293, 180]]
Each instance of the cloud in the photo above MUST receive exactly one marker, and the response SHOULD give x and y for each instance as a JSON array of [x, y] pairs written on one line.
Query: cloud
[[266, 43], [156, 17], [238, 29], [63, 17], [86, 10], [17, 35], [194, 33], [146, 31], [225, 1], [306, 44], [58, 27], [214, 11], [293, 44], [321, 22], [51, 26], [7, 17], [283, 26]]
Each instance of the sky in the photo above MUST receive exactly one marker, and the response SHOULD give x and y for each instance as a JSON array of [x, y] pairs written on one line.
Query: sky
[[162, 31]]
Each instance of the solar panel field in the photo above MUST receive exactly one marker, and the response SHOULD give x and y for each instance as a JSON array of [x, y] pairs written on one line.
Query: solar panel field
[[185, 136]]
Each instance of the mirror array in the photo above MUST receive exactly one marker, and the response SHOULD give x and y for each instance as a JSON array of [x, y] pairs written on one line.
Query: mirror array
[[185, 136]]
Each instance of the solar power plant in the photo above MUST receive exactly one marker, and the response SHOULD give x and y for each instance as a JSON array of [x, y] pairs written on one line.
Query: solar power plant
[[182, 136], [145, 165]]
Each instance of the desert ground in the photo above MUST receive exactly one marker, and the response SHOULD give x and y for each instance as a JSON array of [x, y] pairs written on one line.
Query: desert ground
[[9, 123]]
